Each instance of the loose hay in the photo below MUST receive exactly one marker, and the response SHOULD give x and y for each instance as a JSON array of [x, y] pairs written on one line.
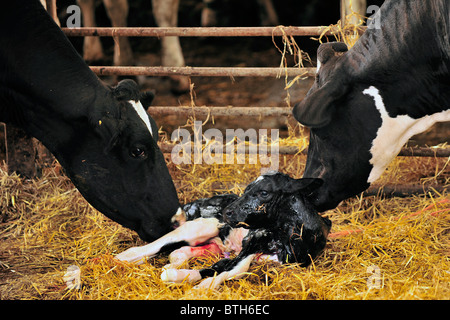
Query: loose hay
[[404, 242]]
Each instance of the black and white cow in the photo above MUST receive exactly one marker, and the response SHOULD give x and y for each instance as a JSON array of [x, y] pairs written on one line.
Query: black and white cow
[[102, 136], [272, 218], [367, 102]]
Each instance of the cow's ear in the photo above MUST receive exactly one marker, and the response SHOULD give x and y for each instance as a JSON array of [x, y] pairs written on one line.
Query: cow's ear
[[304, 185], [147, 98], [317, 109], [330, 49], [127, 90]]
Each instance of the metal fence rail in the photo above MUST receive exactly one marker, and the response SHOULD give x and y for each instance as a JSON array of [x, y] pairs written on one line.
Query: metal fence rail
[[203, 32], [293, 150], [203, 71], [203, 111]]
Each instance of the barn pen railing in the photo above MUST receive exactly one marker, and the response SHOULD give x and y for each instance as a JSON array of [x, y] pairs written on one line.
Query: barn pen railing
[[236, 72], [203, 32]]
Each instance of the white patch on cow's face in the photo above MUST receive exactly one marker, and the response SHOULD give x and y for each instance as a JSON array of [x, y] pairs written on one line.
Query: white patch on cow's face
[[142, 114], [394, 133], [318, 66]]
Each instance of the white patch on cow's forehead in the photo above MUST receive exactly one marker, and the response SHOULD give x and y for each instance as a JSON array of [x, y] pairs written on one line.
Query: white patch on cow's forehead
[[318, 66], [142, 114], [394, 133]]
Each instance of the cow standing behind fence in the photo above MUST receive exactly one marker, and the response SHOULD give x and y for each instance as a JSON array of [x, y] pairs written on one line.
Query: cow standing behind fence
[[166, 15]]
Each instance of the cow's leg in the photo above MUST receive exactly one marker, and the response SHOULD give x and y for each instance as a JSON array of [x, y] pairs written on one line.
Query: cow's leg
[[50, 6], [118, 12], [209, 15], [166, 15], [183, 254], [268, 14], [92, 47], [191, 233]]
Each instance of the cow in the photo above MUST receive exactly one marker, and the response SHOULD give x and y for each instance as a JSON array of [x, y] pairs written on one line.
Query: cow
[[368, 101], [272, 220], [166, 15], [101, 135]]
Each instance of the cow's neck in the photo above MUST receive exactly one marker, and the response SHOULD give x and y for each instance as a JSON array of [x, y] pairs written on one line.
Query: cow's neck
[[45, 85], [412, 75]]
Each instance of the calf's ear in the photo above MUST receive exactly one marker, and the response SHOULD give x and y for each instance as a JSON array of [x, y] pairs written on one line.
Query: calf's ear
[[304, 185]]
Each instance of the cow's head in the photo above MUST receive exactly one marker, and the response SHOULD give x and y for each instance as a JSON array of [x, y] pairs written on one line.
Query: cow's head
[[116, 164], [343, 122]]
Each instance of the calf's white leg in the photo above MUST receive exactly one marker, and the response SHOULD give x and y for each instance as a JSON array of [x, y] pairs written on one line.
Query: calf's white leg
[[236, 273], [180, 275], [193, 233]]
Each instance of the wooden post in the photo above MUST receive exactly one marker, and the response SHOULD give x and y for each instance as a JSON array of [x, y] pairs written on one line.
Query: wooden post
[[349, 6]]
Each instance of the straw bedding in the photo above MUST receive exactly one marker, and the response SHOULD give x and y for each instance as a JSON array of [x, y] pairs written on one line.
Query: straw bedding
[[395, 248]]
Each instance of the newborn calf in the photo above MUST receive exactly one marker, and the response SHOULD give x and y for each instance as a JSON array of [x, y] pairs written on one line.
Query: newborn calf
[[273, 218]]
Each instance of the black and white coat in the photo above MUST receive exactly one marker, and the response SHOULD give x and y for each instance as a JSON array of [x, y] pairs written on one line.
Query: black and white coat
[[101, 135], [368, 101]]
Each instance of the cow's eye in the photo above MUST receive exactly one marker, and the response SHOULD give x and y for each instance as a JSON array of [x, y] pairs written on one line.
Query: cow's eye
[[138, 152]]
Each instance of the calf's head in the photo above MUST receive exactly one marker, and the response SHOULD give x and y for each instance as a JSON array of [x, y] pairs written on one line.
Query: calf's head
[[278, 202], [116, 164], [343, 122]]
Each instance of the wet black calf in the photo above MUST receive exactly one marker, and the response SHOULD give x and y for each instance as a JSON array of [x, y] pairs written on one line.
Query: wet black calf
[[272, 219], [281, 220]]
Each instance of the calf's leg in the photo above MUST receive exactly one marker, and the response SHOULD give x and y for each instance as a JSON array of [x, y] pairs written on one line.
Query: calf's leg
[[235, 270], [191, 233], [218, 273], [183, 254]]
